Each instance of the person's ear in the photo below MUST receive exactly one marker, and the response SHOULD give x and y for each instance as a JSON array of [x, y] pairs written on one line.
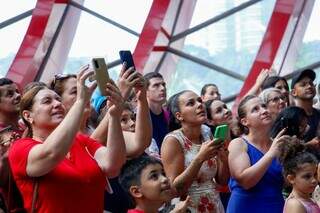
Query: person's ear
[[135, 191], [293, 92], [244, 121], [27, 115], [291, 179], [179, 116]]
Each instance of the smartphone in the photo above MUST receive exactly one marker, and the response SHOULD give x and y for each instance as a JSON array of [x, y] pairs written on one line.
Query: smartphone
[[101, 74], [221, 133], [126, 56], [291, 129]]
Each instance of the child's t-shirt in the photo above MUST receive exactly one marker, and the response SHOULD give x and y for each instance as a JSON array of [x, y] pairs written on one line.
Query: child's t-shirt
[[135, 211]]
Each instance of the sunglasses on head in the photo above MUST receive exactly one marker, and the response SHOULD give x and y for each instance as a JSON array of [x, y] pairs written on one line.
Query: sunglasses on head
[[60, 77]]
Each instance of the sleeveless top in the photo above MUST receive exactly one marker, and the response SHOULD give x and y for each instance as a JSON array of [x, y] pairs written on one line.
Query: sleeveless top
[[203, 189], [309, 206], [265, 196]]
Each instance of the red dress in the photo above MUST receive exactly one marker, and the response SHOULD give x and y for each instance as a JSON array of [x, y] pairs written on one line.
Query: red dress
[[76, 184]]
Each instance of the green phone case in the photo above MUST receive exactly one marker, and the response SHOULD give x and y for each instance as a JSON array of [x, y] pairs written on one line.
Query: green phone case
[[221, 132]]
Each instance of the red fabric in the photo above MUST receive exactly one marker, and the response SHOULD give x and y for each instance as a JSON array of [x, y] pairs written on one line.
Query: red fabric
[[74, 185], [135, 211], [224, 188]]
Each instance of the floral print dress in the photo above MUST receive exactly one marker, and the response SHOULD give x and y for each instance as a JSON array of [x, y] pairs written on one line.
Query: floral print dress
[[204, 196]]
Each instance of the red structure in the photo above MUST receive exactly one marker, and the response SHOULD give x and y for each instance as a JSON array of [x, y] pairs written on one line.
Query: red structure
[[46, 45]]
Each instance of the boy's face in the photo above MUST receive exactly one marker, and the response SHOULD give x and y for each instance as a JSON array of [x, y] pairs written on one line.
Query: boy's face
[[9, 98], [155, 185]]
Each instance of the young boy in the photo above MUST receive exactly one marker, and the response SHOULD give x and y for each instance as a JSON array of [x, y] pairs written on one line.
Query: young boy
[[146, 183]]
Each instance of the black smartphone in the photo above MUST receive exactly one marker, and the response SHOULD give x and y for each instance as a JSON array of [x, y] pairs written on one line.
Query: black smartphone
[[291, 129], [126, 56]]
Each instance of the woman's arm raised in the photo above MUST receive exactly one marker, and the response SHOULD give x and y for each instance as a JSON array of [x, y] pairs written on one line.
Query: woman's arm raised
[[239, 163], [111, 158], [44, 157]]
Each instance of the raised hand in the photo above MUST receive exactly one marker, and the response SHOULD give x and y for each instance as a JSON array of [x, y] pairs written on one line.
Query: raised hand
[[182, 206], [140, 88], [128, 78], [274, 150], [84, 92], [115, 99], [209, 149], [263, 75], [315, 143]]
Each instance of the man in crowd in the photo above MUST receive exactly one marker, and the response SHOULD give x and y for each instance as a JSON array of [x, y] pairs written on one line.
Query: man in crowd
[[156, 96], [10, 199], [303, 90]]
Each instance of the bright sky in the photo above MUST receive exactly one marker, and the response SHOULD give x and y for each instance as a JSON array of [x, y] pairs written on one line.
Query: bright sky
[[90, 41]]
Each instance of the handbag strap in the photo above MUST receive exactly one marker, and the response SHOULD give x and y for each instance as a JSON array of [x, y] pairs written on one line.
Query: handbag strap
[[34, 196]]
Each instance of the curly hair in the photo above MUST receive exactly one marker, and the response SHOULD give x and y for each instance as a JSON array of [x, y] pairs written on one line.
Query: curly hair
[[293, 155]]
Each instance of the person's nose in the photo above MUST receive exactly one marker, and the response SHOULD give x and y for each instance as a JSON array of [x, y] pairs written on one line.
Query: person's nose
[[17, 96]]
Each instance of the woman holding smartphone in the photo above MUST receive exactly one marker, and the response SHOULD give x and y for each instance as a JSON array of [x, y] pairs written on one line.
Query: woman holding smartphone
[[192, 160], [136, 143], [56, 168], [256, 175], [219, 114]]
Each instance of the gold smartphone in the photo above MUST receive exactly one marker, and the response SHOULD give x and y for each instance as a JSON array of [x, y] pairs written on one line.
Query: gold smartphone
[[101, 74]]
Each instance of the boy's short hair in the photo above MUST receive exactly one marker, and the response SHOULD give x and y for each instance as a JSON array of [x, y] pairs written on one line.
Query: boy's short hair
[[5, 81], [151, 75], [130, 174]]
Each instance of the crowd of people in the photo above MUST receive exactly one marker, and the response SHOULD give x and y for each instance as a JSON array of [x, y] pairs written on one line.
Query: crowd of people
[[66, 148]]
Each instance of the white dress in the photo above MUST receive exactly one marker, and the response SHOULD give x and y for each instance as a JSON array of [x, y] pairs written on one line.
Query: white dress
[[204, 196]]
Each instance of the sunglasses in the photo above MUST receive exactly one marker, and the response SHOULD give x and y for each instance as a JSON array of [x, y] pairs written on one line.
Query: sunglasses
[[60, 77]]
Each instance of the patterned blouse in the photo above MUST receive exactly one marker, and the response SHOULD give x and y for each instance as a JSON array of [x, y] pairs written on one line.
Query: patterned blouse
[[202, 191]]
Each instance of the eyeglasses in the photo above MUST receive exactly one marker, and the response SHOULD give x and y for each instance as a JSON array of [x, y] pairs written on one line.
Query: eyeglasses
[[60, 77], [277, 99]]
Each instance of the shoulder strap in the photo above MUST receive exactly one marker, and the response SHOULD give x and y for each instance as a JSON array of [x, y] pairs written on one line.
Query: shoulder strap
[[34, 196]]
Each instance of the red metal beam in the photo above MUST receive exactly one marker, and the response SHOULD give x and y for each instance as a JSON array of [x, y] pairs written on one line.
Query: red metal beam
[[149, 33], [270, 44], [28, 59]]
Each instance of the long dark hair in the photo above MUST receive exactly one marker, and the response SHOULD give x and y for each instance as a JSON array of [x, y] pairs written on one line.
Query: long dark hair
[[290, 118]]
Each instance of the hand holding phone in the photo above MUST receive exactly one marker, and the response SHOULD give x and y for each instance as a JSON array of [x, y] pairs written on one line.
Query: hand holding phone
[[220, 134], [101, 74]]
